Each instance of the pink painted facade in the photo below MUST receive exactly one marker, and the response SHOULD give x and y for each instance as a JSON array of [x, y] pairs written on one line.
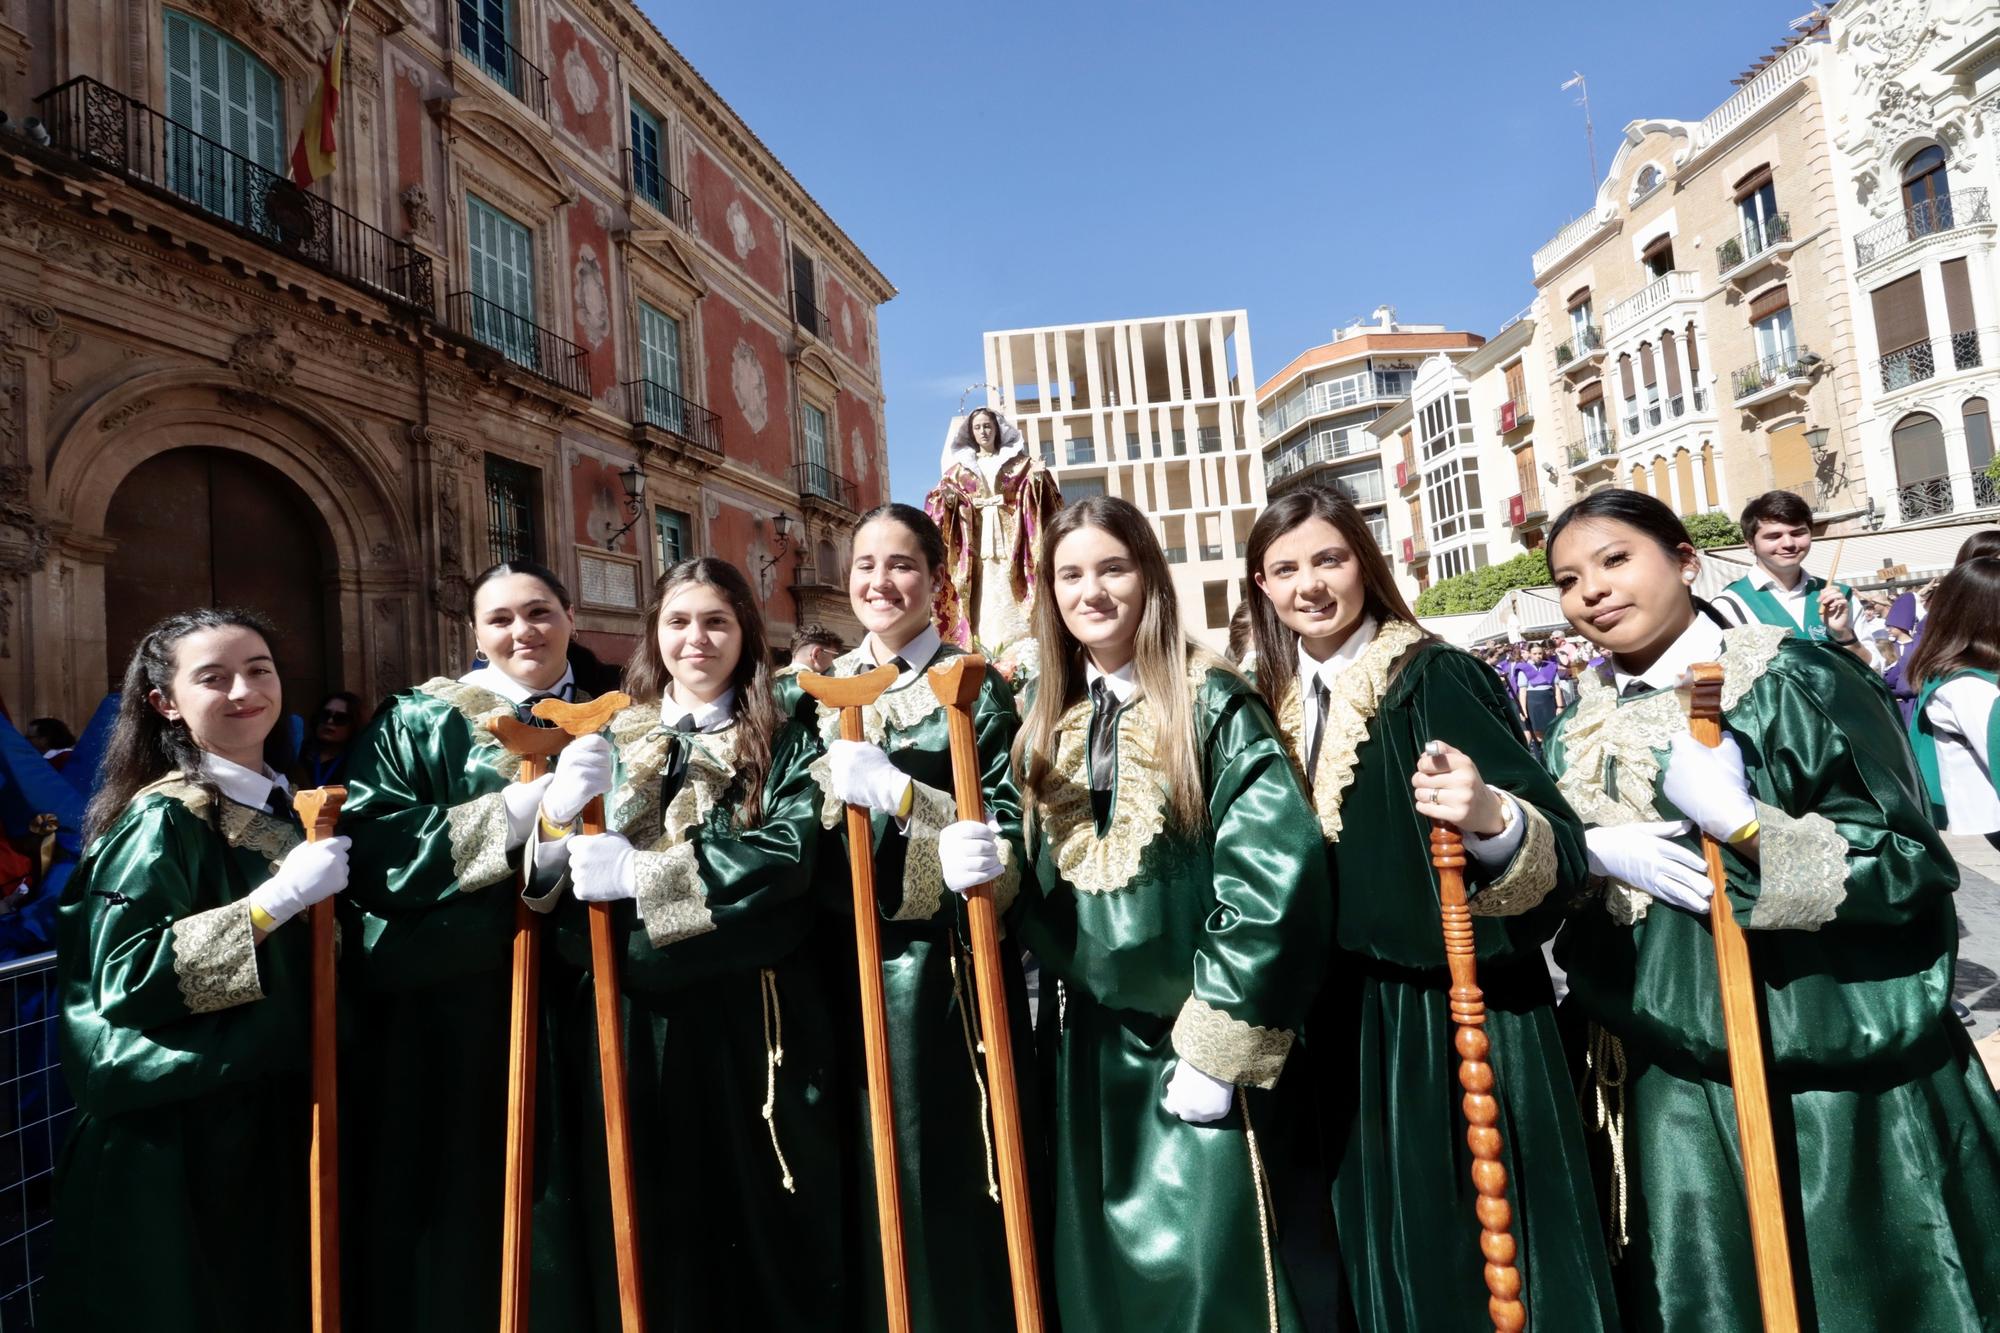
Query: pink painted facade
[[732, 220], [746, 386], [593, 289]]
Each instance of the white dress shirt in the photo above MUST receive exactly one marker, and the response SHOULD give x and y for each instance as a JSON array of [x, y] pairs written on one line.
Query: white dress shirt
[[245, 786], [1794, 601], [492, 678], [1124, 682], [917, 653], [714, 715], [1959, 712], [1701, 641]]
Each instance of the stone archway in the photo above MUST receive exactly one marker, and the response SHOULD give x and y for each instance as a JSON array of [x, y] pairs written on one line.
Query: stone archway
[[213, 527]]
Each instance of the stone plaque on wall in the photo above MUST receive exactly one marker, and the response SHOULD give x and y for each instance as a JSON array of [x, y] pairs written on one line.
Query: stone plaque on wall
[[612, 583]]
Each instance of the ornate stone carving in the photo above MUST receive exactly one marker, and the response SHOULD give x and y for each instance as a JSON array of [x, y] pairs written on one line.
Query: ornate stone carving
[[263, 363], [338, 465], [417, 211], [119, 418]]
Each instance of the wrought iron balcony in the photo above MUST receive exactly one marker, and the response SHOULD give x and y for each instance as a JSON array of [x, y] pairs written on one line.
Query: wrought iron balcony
[[521, 340], [1935, 496], [1773, 375], [1906, 366], [1599, 443], [810, 317], [485, 44], [1756, 239], [815, 481], [1946, 212], [1580, 347], [106, 129], [648, 181], [660, 408]]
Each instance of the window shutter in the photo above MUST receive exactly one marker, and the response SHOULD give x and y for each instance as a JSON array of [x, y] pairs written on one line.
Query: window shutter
[[1899, 314], [1673, 365], [1769, 303], [1957, 295], [1625, 375], [1646, 369], [1590, 393], [1577, 298], [1752, 183], [1918, 443], [1694, 359], [1658, 245]]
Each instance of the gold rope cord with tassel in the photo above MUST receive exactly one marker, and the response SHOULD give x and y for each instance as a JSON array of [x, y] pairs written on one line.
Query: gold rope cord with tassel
[[1604, 1057], [1259, 1183], [974, 1048], [774, 1056]]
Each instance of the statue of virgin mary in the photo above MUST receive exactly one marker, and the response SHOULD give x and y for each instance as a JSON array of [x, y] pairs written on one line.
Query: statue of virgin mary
[[992, 504]]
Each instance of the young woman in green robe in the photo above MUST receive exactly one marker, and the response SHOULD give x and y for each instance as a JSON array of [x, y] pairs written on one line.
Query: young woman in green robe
[[1376, 1128], [439, 823], [1181, 899], [185, 1030], [1888, 1131], [953, 1235], [729, 1047]]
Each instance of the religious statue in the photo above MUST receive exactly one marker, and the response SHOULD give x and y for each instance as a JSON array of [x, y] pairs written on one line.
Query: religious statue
[[992, 504]]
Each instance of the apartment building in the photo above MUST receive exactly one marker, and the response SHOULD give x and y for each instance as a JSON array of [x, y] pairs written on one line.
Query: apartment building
[[1915, 168], [1316, 414], [557, 300], [1160, 412], [1695, 328]]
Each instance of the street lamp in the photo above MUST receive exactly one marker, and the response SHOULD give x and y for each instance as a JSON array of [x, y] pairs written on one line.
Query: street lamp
[[781, 527], [1816, 440], [633, 480]]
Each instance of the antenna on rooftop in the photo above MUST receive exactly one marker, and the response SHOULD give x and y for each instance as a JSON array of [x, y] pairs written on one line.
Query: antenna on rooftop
[[1576, 81]]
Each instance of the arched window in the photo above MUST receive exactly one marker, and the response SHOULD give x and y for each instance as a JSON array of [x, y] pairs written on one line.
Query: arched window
[[1926, 182], [1979, 451], [232, 107], [1922, 488]]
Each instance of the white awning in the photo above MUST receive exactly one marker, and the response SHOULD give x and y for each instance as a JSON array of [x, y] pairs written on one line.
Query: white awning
[[1924, 552], [1538, 611]]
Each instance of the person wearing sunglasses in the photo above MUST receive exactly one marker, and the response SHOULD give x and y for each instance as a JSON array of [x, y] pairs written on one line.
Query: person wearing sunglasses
[[332, 728]]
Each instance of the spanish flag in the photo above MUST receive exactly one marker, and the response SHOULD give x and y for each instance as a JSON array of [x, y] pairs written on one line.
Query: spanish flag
[[313, 157]]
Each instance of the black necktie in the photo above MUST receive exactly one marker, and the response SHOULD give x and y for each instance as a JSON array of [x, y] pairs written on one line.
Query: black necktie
[[1321, 697], [900, 664], [278, 805], [1103, 734], [525, 710], [1634, 688], [677, 761]]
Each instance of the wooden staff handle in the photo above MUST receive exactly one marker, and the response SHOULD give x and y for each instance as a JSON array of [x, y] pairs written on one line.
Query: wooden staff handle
[[1504, 1303], [535, 746], [585, 720], [850, 694], [1762, 1187], [318, 809], [957, 684]]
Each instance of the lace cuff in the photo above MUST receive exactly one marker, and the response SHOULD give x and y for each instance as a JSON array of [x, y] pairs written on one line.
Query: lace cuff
[[479, 830], [1801, 871], [1531, 874], [215, 958], [672, 903], [1229, 1048], [923, 873]]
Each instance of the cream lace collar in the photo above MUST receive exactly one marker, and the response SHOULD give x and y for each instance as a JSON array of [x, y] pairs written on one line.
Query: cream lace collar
[[1351, 707], [242, 825], [633, 807], [899, 708]]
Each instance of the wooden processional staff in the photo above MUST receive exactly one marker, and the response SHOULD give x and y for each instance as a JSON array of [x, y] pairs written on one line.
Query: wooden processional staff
[[956, 684], [1770, 1247], [318, 810], [850, 694], [1504, 1304], [535, 747]]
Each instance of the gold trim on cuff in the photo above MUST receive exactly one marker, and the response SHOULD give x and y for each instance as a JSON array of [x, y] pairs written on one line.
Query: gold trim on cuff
[[1801, 871], [215, 958], [1229, 1048], [478, 830], [923, 872], [672, 903], [1530, 875]]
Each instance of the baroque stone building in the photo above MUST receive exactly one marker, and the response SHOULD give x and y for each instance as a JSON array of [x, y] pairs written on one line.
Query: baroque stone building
[[557, 300]]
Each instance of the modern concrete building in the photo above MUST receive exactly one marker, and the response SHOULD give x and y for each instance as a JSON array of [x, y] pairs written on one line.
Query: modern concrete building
[[1315, 414], [557, 300], [1158, 411], [1919, 95], [1695, 328]]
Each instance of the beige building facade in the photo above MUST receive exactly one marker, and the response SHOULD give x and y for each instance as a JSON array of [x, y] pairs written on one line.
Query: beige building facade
[[557, 300], [1159, 411]]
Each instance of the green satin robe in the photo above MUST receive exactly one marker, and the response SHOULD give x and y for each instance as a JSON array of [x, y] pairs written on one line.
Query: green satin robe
[[1888, 1128], [424, 1082], [181, 1191], [1205, 947], [729, 1057], [954, 1238], [1374, 1101]]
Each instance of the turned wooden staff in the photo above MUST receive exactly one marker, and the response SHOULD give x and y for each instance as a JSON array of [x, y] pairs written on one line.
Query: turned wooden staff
[[587, 720], [956, 684], [850, 694], [1769, 1245], [1504, 1303], [534, 746], [318, 808]]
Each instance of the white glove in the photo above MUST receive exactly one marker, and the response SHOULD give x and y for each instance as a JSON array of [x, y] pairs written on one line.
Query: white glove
[[970, 853], [583, 770], [311, 872], [1195, 1097], [862, 775], [522, 799], [1642, 855], [1709, 786], [603, 867]]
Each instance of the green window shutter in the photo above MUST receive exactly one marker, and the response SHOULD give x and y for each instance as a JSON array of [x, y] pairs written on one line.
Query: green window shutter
[[815, 432], [670, 531], [660, 366], [503, 278], [647, 172], [226, 105]]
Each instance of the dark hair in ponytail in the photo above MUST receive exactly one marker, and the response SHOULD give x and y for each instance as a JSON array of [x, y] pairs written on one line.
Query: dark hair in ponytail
[[145, 746]]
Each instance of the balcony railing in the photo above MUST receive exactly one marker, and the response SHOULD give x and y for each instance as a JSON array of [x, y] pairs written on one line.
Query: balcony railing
[[1935, 495], [1679, 285], [648, 180], [658, 406], [810, 317], [521, 340], [1578, 347], [1598, 442], [1734, 252], [1792, 365], [818, 481], [1211, 552], [1176, 555], [107, 129], [1946, 212], [485, 44], [1925, 360], [1081, 451], [1525, 507]]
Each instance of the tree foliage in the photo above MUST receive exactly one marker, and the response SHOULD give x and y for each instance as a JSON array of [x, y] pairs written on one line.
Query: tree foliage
[[1481, 589], [1714, 528]]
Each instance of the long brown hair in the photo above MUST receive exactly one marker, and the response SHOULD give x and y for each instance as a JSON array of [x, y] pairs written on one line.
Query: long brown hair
[[756, 710], [146, 746], [1162, 655], [1962, 628], [1277, 646]]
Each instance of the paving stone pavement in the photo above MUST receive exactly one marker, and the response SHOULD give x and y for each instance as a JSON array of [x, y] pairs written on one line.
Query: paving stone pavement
[[1977, 982]]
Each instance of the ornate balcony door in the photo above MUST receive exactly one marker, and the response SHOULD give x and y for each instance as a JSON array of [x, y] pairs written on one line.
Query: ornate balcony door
[[228, 114]]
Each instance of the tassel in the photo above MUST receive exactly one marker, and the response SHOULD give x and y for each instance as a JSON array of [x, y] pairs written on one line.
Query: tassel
[[774, 1055], [962, 993], [1605, 1059], [1259, 1182]]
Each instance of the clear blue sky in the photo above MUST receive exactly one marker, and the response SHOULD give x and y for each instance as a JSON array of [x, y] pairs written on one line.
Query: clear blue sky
[[1037, 163]]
